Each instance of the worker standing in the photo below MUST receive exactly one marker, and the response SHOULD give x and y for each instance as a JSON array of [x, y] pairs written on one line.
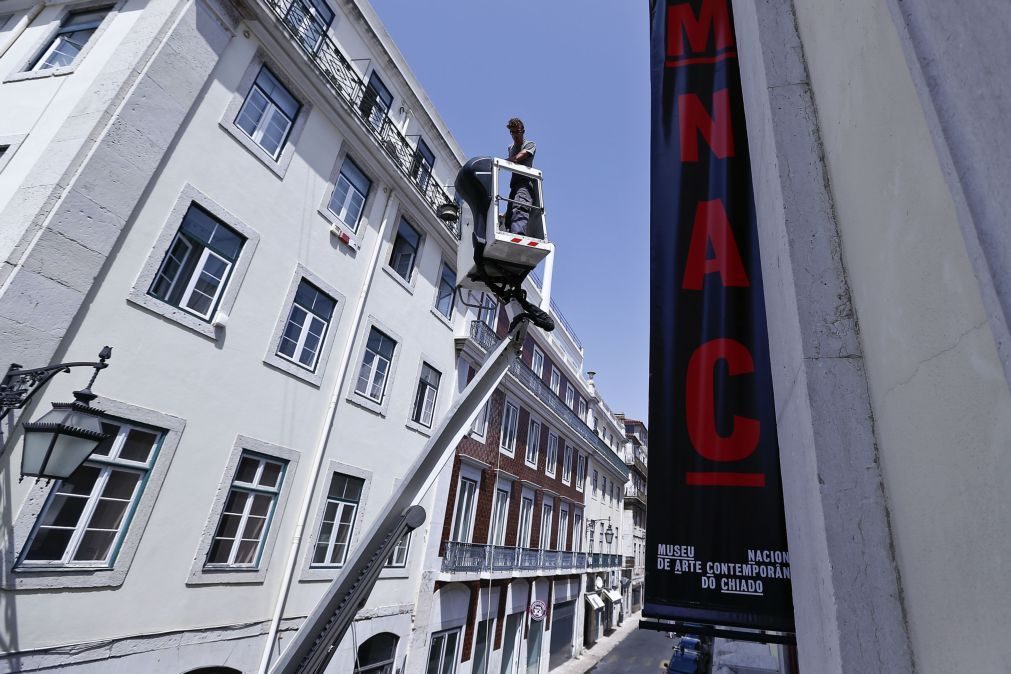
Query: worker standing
[[521, 188]]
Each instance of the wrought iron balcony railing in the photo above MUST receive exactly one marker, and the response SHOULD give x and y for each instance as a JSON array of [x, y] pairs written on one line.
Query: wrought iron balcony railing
[[473, 557], [361, 100]]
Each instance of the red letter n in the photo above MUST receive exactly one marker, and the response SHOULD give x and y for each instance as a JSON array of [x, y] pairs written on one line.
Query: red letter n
[[717, 130], [713, 19]]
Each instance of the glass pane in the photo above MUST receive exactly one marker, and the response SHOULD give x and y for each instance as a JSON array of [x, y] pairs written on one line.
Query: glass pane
[[351, 173], [121, 484], [108, 514], [271, 474], [63, 511], [247, 470], [81, 482], [49, 544], [236, 503], [435, 654], [252, 111], [104, 447], [95, 546], [261, 505], [220, 549], [246, 552], [138, 445], [254, 528], [449, 661]]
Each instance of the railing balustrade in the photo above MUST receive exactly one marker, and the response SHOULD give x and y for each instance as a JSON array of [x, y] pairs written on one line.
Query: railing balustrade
[[474, 557], [335, 69]]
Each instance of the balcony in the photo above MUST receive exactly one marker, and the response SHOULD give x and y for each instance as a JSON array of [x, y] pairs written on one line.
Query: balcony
[[634, 494], [336, 70], [638, 465], [486, 338], [476, 558]]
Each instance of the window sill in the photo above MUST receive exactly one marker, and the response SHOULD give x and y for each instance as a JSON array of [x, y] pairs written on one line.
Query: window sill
[[227, 576], [338, 225], [404, 283], [41, 74], [419, 428], [288, 367], [278, 166], [442, 318], [174, 314], [368, 404]]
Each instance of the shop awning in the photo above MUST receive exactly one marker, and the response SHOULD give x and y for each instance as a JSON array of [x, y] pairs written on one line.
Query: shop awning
[[613, 595], [594, 602]]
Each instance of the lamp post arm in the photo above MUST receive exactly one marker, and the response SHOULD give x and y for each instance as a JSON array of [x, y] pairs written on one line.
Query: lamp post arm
[[19, 385]]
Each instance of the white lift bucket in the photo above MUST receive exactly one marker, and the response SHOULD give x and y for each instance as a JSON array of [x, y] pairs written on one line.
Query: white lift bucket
[[488, 252]]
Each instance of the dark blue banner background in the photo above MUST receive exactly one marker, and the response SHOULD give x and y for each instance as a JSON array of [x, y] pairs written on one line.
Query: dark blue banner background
[[716, 538]]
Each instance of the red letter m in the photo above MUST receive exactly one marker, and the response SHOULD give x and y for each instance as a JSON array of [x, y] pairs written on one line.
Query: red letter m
[[713, 19]]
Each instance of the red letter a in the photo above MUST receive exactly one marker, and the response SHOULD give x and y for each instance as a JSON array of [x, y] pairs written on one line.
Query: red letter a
[[712, 225], [693, 120]]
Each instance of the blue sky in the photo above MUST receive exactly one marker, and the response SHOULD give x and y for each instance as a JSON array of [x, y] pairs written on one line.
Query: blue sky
[[577, 73]]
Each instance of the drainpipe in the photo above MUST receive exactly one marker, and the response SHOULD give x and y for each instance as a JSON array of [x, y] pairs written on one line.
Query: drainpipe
[[324, 437], [18, 29]]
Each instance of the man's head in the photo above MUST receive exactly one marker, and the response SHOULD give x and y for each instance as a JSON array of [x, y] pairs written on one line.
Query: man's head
[[515, 126]]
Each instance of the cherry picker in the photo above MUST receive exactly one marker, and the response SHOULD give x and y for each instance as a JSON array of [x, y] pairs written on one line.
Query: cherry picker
[[489, 260]]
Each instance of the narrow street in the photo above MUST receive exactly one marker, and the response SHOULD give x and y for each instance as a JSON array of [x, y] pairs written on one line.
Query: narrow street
[[640, 651]]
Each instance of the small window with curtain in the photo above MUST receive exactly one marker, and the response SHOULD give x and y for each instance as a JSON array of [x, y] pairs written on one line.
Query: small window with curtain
[[268, 113], [375, 365], [337, 526]]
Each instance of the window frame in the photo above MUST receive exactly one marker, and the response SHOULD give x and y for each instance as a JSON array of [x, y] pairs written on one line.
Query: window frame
[[581, 462], [525, 529], [547, 509], [551, 457], [272, 109], [422, 158], [563, 527], [343, 503], [139, 295], [49, 577], [536, 442], [434, 390], [412, 274], [537, 362], [336, 217], [27, 71], [507, 448], [439, 291], [277, 360], [204, 574], [386, 106], [567, 452], [440, 667], [362, 400], [570, 396], [497, 536], [277, 165], [555, 380], [455, 529]]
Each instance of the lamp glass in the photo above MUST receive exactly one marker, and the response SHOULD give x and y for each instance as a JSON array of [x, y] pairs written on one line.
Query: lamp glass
[[59, 442], [609, 535]]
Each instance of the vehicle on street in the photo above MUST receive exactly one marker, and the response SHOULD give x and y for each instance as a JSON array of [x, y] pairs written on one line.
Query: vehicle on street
[[683, 662]]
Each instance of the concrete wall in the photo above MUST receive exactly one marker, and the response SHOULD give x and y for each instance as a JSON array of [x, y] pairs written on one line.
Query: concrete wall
[[892, 400]]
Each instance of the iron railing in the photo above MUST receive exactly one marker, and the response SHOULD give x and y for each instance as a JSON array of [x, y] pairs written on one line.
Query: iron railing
[[473, 557], [360, 99]]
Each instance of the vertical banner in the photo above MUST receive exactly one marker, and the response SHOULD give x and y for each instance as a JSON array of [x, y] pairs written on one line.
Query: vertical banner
[[715, 534]]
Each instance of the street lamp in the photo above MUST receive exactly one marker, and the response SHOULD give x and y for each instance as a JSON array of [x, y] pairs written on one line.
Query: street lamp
[[591, 528], [59, 442]]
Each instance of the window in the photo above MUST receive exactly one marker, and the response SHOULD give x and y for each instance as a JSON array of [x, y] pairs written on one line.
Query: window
[[577, 532], [551, 460], [334, 536], [580, 472], [510, 421], [446, 294], [307, 324], [310, 20], [481, 650], [442, 652], [376, 102], [74, 32], [533, 442], [556, 380], [424, 397], [488, 311], [480, 425], [405, 250], [422, 165], [567, 465], [499, 515], [463, 521], [563, 529], [582, 409], [375, 365], [603, 487], [398, 558], [570, 395], [196, 267], [595, 479], [86, 515], [537, 362], [376, 654], [546, 515], [268, 113], [349, 194], [247, 512], [526, 522]]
